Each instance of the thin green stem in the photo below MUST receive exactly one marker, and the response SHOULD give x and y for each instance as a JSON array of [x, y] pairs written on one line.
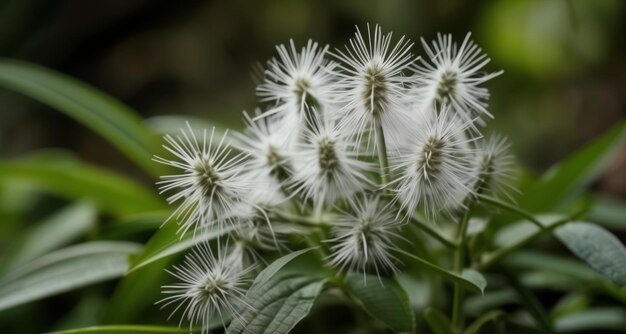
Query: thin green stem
[[382, 153], [502, 252], [298, 219], [511, 208], [459, 264], [417, 223]]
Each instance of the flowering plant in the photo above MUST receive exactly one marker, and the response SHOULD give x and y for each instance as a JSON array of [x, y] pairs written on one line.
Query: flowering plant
[[366, 176]]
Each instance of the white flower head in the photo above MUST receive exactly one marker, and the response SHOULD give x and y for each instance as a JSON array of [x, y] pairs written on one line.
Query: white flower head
[[298, 82], [267, 145], [494, 167], [209, 286], [373, 84], [454, 76], [362, 241], [326, 166], [209, 184], [433, 169]]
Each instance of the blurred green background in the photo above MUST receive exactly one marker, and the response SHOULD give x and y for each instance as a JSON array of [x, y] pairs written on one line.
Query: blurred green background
[[564, 63]]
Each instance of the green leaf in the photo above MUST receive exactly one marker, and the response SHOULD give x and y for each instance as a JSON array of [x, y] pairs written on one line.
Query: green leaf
[[469, 278], [438, 322], [475, 327], [609, 212], [596, 246], [277, 265], [103, 114], [529, 300], [64, 270], [170, 124], [565, 181], [62, 175], [55, 231], [599, 318], [384, 299], [166, 243], [277, 304], [566, 266], [123, 329]]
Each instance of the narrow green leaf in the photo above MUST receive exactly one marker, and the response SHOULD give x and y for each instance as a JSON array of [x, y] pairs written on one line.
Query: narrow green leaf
[[166, 243], [594, 319], [64, 270], [438, 322], [55, 231], [475, 327], [62, 175], [566, 266], [384, 299], [171, 124], [530, 302], [598, 247], [277, 265], [609, 212], [469, 278], [103, 114], [123, 329], [277, 304], [564, 182]]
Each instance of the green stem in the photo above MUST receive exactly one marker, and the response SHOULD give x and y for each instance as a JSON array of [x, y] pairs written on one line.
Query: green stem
[[459, 264], [417, 223], [382, 153], [511, 208], [298, 219]]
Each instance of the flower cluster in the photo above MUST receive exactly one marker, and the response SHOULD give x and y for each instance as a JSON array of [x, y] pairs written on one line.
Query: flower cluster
[[359, 139]]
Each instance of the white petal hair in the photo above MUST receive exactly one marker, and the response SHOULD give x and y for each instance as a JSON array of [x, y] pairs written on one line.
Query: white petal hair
[[433, 167], [494, 167], [267, 145], [209, 184], [362, 240], [209, 286], [326, 166], [297, 82], [373, 84], [454, 75]]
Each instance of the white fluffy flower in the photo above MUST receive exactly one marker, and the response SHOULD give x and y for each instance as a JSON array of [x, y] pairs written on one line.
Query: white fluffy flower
[[494, 166], [298, 82], [454, 76], [209, 184], [433, 167], [362, 240], [267, 144], [373, 85], [326, 166], [209, 286]]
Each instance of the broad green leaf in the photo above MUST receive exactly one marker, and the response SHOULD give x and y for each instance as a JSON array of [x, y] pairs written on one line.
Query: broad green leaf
[[469, 278], [384, 299], [166, 243], [593, 320], [596, 246], [103, 114], [277, 304], [55, 231], [172, 124], [568, 267], [123, 329], [438, 322], [64, 270], [62, 175], [565, 181], [475, 327]]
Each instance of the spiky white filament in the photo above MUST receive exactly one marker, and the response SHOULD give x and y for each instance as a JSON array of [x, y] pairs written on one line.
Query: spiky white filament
[[209, 184], [362, 240], [494, 167], [433, 169], [373, 84], [454, 75], [208, 286]]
